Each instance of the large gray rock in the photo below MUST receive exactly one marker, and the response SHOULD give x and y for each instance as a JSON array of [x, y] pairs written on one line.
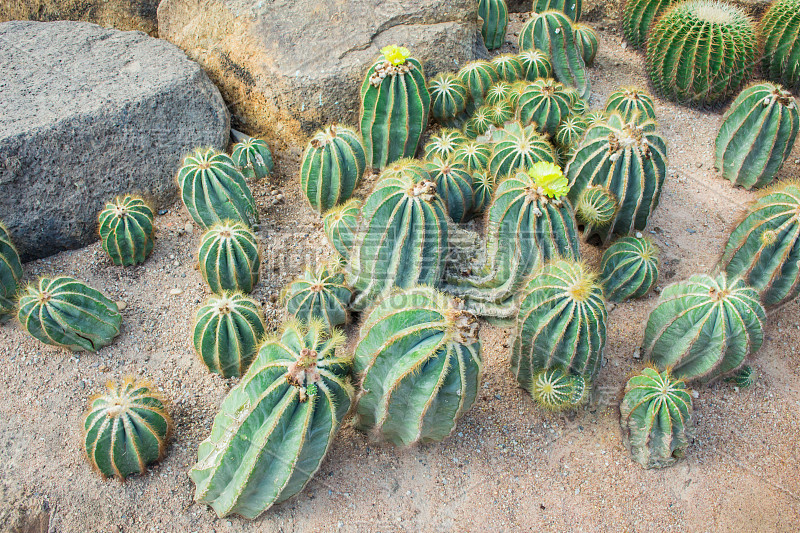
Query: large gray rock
[[288, 67], [120, 14], [87, 113]]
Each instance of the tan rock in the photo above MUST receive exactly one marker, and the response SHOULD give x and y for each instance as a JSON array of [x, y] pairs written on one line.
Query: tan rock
[[120, 14]]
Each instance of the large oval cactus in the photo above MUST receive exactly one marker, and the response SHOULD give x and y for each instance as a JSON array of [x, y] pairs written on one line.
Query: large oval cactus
[[65, 312], [419, 361], [275, 427], [127, 230], [229, 258], [638, 16], [757, 135], [519, 147], [779, 35], [10, 273], [213, 189], [340, 225], [629, 268], [319, 293], [704, 327], [126, 429], [494, 14], [253, 158], [332, 166], [656, 418], [394, 107]]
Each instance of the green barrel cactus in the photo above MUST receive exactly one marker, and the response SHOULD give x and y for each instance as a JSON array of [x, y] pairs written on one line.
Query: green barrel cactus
[[340, 225], [419, 361], [779, 36], [509, 67], [595, 117], [494, 14], [498, 92], [213, 189], [764, 249], [571, 8], [227, 331], [474, 154], [444, 143], [551, 32], [229, 258], [536, 64], [587, 42], [276, 426], [656, 418], [253, 158], [500, 113], [478, 76], [10, 274], [332, 166], [483, 185], [630, 103], [65, 312], [630, 160], [596, 207], [519, 147], [127, 232], [394, 107], [546, 103], [638, 16], [454, 186], [319, 294], [480, 122], [403, 237], [448, 97], [704, 327], [556, 389], [577, 105], [757, 135], [126, 429], [629, 268], [744, 378], [569, 134], [700, 52], [561, 323]]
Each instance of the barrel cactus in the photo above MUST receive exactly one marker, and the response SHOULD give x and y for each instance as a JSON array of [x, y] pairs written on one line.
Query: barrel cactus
[[483, 185], [448, 97], [229, 258], [587, 42], [498, 92], [454, 185], [656, 418], [213, 189], [65, 312], [500, 113], [779, 35], [571, 8], [494, 14], [478, 76], [320, 293], [556, 389], [419, 361], [757, 135], [126, 429], [474, 154], [536, 64], [394, 107], [444, 143], [276, 426], [629, 268], [227, 331], [519, 147], [569, 135], [340, 224], [744, 378], [544, 102], [701, 51], [480, 122], [332, 166], [10, 274], [630, 103], [630, 160], [764, 248], [638, 16], [508, 67], [253, 158], [704, 327], [126, 230]]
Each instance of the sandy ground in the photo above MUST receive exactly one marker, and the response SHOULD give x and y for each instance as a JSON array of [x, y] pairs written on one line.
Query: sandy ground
[[507, 467]]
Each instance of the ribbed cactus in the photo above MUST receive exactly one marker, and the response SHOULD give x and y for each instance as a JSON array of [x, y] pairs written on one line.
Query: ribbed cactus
[[478, 76], [757, 135], [764, 248], [557, 390], [213, 189], [779, 37], [536, 64], [448, 97], [551, 32], [419, 361], [10, 274], [700, 52], [275, 427], [596, 207], [403, 238], [227, 331], [578, 105], [340, 224], [638, 16], [595, 117], [561, 323], [483, 185], [253, 158], [630, 160], [127, 230], [544, 102], [454, 185], [229, 258], [519, 147], [494, 14], [394, 107], [656, 418], [500, 113], [744, 378], [571, 8], [630, 103], [704, 327], [65, 312], [474, 154], [498, 92], [508, 67], [319, 294], [629, 268], [126, 429], [587, 42], [444, 143], [480, 122], [569, 135], [332, 166]]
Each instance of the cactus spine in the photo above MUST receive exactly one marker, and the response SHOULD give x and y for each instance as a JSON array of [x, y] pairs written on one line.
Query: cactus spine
[[10, 273], [546, 103], [332, 166], [227, 330], [519, 147], [340, 224], [127, 230], [65, 312], [629, 268], [757, 135], [453, 185], [494, 14], [253, 158], [229, 258], [586, 41], [638, 16], [448, 97], [779, 36], [536, 64], [630, 103], [319, 294], [419, 360], [275, 427]]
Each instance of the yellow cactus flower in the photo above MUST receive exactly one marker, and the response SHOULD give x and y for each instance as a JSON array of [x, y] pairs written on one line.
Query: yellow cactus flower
[[550, 178], [396, 55]]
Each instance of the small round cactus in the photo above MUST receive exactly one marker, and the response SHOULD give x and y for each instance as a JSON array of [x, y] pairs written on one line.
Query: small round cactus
[[629, 268], [595, 117], [483, 185], [557, 390], [509, 67], [453, 185], [253, 158], [498, 92], [448, 97], [480, 122], [474, 154], [744, 378], [569, 135], [779, 35], [444, 143], [227, 330], [519, 147], [126, 429], [340, 224], [536, 64], [631, 103], [319, 294], [478, 76], [544, 102], [229, 258], [638, 16], [65, 312], [596, 207], [10, 274], [586, 41], [500, 113], [494, 14], [332, 166], [127, 230]]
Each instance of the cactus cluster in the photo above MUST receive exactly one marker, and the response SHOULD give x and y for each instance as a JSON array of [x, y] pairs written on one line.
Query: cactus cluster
[[10, 274], [127, 230], [332, 166], [779, 39]]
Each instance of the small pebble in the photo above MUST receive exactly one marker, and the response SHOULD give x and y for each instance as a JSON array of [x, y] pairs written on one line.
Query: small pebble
[[163, 211], [121, 304], [188, 228], [175, 291]]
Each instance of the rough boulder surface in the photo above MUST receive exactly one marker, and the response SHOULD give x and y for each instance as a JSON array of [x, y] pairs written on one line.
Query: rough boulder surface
[[87, 113], [120, 14], [288, 67]]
